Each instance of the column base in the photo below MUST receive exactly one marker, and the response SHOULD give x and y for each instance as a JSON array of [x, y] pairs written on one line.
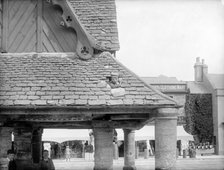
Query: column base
[[129, 168]]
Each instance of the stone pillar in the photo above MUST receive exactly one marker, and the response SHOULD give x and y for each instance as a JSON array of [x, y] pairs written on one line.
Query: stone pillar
[[165, 138], [115, 152], [129, 150], [37, 145], [22, 143], [146, 150], [5, 145], [136, 150], [146, 153], [83, 149], [103, 157]]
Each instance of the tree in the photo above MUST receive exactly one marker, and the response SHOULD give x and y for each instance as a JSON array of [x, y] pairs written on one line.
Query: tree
[[199, 121]]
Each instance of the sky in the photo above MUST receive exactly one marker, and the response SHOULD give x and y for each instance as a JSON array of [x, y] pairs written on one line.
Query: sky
[[164, 37]]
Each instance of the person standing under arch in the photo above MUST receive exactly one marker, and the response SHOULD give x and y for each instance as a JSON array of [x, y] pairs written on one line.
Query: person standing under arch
[[46, 163]]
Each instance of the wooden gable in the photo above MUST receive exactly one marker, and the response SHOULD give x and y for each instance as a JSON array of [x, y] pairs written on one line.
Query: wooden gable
[[0, 24], [34, 26]]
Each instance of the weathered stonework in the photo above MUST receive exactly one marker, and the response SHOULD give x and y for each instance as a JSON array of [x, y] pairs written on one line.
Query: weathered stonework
[[37, 145], [115, 151], [165, 146], [129, 150], [5, 145], [22, 142], [5, 141], [103, 157]]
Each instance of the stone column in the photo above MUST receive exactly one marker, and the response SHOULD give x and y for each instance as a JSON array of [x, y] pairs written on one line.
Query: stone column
[[37, 145], [146, 150], [83, 149], [136, 150], [129, 150], [22, 143], [5, 145], [165, 139], [115, 151], [103, 157]]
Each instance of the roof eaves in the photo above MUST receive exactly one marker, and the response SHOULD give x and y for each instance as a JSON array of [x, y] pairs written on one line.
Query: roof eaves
[[99, 109]]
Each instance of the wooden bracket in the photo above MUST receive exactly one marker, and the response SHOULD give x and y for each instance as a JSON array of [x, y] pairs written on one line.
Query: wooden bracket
[[86, 43]]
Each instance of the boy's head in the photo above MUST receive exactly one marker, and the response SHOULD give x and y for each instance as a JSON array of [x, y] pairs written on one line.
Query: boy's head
[[11, 154], [45, 154]]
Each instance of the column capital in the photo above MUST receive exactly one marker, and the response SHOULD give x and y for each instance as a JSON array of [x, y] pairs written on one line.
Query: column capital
[[100, 124], [166, 113], [37, 131], [129, 130]]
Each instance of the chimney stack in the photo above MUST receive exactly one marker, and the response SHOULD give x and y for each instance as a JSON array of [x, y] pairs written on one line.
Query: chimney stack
[[200, 69], [205, 67]]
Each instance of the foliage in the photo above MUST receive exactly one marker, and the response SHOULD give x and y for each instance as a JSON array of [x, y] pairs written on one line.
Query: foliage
[[199, 122]]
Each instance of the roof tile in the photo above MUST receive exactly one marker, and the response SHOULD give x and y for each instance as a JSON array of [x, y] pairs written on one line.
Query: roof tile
[[87, 83], [97, 102], [99, 19], [115, 102]]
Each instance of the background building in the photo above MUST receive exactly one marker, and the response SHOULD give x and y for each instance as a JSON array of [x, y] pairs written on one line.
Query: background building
[[173, 88], [206, 83]]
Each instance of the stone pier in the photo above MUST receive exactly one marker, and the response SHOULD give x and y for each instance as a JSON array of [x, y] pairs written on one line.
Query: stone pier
[[103, 157], [165, 138], [22, 142], [115, 152], [37, 145], [129, 150], [136, 150], [5, 145]]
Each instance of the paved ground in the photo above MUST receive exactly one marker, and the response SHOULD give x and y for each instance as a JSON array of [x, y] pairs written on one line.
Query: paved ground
[[200, 163]]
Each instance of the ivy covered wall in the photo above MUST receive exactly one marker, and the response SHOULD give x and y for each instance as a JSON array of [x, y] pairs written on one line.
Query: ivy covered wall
[[199, 121]]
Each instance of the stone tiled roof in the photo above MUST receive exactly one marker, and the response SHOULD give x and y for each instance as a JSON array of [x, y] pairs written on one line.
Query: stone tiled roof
[[99, 19], [62, 80]]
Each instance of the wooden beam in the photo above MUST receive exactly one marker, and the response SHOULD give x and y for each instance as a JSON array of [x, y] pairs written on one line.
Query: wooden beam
[[67, 125], [55, 110], [5, 24], [39, 25], [127, 124], [46, 118], [130, 116]]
